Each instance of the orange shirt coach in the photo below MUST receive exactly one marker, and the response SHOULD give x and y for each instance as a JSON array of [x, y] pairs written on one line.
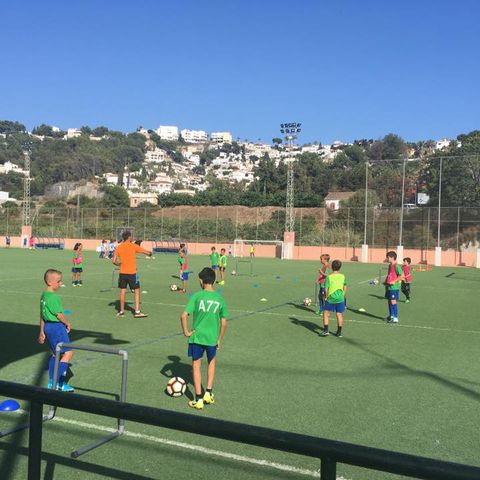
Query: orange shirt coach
[[125, 258]]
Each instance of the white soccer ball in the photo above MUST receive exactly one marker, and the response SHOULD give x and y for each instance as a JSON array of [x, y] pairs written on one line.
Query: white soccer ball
[[307, 301], [173, 287], [176, 386], [234, 272]]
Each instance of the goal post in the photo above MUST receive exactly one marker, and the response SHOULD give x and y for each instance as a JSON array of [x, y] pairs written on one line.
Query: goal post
[[121, 230], [262, 248]]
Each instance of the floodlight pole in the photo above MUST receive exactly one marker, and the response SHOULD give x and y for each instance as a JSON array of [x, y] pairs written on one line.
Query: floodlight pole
[[439, 201], [364, 256], [400, 239], [438, 248], [366, 205], [290, 132], [26, 187]]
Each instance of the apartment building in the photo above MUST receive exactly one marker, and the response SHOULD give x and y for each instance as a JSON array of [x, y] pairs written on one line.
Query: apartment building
[[169, 133]]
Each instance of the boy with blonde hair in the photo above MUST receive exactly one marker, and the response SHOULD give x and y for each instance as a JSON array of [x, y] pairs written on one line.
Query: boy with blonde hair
[[55, 327]]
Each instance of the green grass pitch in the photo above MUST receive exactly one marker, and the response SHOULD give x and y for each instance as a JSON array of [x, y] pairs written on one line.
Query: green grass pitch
[[412, 387]]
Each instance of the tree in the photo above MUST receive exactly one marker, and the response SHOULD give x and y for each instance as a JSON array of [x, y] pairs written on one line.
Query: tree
[[115, 197], [99, 131], [7, 126], [460, 176], [276, 142]]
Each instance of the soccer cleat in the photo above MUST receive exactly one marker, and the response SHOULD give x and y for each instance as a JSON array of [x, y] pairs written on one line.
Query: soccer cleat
[[407, 301], [198, 404], [393, 320], [65, 387], [387, 319], [339, 334], [208, 398], [324, 333], [50, 384], [120, 314], [140, 315], [222, 282]]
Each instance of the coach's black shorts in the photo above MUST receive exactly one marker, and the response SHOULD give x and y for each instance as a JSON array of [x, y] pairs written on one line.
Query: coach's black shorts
[[128, 279]]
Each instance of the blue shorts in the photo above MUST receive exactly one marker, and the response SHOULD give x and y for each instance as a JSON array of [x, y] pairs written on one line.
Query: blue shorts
[[334, 307], [184, 276], [56, 332], [196, 351], [77, 269], [214, 267], [392, 294]]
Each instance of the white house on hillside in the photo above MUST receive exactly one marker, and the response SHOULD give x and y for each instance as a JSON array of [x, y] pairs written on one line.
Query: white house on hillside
[[169, 133], [333, 199], [194, 136]]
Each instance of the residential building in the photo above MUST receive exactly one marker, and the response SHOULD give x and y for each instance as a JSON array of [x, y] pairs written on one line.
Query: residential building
[[194, 136], [333, 199], [441, 144], [11, 167], [162, 184], [221, 137], [169, 133], [156, 156], [111, 178], [137, 199], [5, 197], [73, 132]]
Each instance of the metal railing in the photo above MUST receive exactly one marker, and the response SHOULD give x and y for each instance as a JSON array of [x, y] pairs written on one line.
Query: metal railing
[[330, 452]]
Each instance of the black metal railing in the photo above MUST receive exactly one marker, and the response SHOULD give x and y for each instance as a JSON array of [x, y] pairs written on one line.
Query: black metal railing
[[330, 452]]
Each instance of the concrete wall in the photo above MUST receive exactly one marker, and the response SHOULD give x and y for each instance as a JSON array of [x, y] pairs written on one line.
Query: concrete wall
[[450, 258]]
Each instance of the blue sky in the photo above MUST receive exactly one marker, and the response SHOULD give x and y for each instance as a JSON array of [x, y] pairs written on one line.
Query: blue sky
[[346, 69]]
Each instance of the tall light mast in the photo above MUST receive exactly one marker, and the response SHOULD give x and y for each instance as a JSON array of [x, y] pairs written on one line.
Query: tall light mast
[[290, 132], [26, 184]]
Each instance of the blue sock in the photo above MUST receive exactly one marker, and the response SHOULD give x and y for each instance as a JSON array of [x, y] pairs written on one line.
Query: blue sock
[[395, 310], [62, 371], [51, 366], [389, 309]]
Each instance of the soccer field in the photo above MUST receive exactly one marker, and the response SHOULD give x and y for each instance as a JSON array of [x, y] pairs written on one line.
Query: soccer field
[[412, 387]]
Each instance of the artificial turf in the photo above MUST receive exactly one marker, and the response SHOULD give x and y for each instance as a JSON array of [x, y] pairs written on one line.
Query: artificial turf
[[411, 387]]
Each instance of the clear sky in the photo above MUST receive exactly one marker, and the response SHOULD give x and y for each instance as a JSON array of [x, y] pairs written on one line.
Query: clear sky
[[346, 69]]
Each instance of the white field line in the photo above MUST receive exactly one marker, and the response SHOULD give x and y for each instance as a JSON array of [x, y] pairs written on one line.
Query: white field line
[[256, 312], [196, 448]]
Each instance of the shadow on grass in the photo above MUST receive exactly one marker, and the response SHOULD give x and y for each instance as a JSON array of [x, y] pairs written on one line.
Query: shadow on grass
[[175, 368], [12, 333], [115, 396], [301, 307], [381, 297], [76, 465], [8, 465], [312, 327], [128, 306], [414, 371], [365, 314]]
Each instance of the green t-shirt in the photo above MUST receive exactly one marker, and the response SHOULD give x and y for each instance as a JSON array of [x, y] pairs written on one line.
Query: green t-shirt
[[398, 271], [181, 260], [75, 257], [50, 306], [214, 258], [334, 284], [222, 261], [208, 309]]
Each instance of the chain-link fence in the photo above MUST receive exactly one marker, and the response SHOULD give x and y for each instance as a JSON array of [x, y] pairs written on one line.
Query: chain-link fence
[[422, 227]]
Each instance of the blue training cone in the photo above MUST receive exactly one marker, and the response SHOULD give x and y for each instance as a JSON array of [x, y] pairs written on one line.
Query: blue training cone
[[9, 406]]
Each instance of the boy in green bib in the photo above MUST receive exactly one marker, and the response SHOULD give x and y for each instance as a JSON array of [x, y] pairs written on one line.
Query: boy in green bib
[[209, 312], [335, 290]]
